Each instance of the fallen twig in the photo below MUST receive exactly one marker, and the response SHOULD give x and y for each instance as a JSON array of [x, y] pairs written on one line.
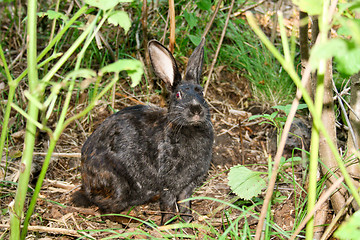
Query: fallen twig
[[69, 232], [130, 98], [60, 184], [68, 155]]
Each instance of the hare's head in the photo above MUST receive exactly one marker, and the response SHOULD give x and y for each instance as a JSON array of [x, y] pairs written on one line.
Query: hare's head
[[187, 105]]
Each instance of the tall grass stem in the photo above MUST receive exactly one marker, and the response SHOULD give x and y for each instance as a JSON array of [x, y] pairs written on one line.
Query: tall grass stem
[[25, 166], [314, 155]]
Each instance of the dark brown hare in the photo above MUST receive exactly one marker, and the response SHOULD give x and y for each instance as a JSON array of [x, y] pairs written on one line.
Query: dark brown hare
[[144, 151]]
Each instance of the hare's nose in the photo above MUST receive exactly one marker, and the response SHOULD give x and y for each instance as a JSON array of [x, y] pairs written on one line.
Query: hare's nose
[[195, 109]]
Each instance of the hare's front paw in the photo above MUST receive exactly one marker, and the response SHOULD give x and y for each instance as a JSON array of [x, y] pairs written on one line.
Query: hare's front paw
[[167, 207]]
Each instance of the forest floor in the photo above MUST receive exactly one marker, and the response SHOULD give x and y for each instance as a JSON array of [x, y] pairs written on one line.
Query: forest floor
[[237, 141]]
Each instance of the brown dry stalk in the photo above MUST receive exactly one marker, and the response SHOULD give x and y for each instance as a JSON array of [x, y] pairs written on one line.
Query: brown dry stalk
[[144, 17], [172, 25]]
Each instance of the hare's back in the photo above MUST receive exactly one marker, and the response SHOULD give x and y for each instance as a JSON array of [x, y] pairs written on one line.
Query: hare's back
[[132, 134]]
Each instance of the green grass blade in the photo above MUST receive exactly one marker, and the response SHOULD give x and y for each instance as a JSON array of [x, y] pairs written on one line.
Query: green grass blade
[[12, 86]]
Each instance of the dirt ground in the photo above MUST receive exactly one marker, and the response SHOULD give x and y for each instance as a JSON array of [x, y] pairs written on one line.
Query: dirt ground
[[237, 141]]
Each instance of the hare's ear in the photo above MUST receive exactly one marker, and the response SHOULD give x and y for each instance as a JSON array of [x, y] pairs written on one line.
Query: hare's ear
[[164, 64], [194, 66]]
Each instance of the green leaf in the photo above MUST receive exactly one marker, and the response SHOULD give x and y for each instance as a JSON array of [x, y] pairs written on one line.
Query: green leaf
[[281, 120], [15, 154], [325, 51], [302, 106], [120, 18], [56, 15], [289, 160], [273, 115], [310, 6], [348, 6], [105, 4], [204, 5], [345, 52], [4, 211], [278, 198], [245, 183], [133, 68], [350, 28], [287, 107], [195, 39], [84, 73], [350, 229], [255, 117], [190, 19], [346, 28], [348, 62]]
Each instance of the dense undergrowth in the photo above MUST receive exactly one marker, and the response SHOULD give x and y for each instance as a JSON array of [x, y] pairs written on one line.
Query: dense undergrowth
[[91, 76]]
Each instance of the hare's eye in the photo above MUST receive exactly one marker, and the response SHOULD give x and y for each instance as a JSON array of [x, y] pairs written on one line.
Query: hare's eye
[[178, 95]]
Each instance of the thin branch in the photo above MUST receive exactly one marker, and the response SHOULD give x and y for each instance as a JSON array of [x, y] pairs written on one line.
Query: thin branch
[[208, 26], [345, 115], [165, 29], [219, 46], [248, 8], [273, 30], [349, 106]]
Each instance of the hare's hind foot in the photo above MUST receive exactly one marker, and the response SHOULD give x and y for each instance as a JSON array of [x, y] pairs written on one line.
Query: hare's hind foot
[[80, 199]]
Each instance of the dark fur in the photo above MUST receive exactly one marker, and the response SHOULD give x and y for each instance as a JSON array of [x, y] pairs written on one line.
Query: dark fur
[[144, 151]]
